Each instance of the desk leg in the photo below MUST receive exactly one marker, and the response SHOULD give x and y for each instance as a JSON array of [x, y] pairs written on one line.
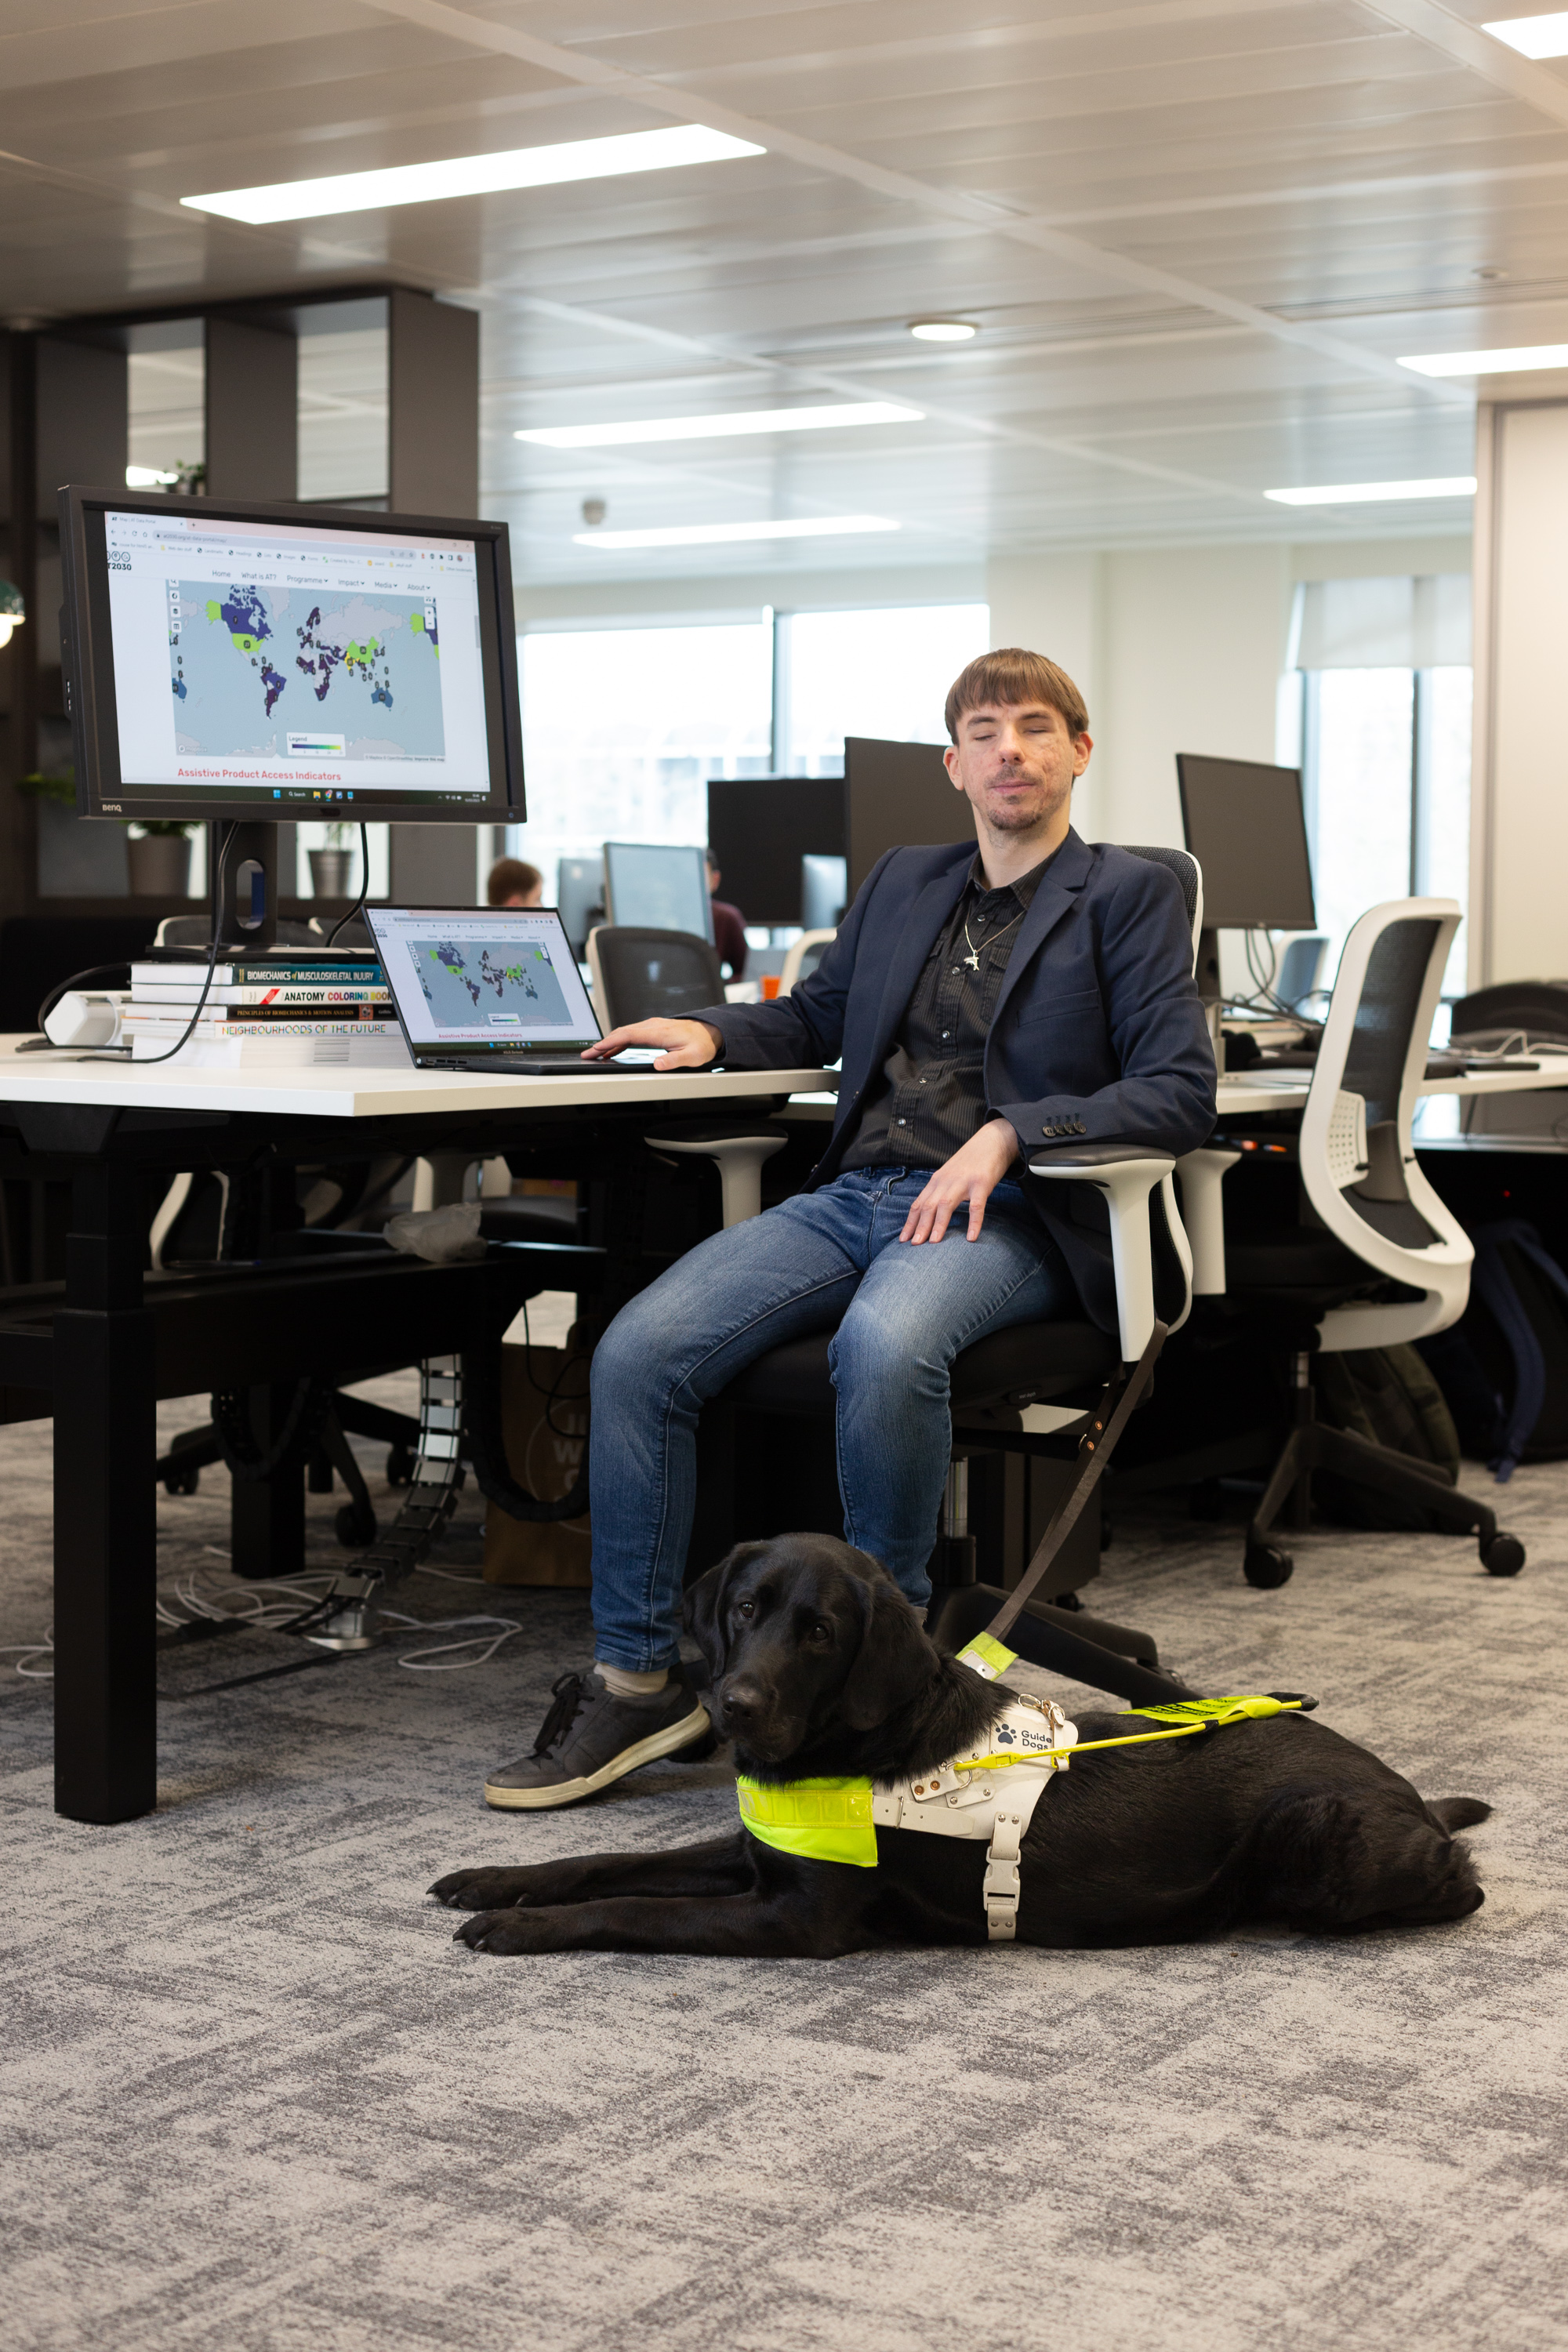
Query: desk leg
[[105, 1510], [267, 1516]]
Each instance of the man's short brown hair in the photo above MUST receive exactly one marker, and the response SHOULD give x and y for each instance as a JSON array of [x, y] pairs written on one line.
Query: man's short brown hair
[[1011, 675]]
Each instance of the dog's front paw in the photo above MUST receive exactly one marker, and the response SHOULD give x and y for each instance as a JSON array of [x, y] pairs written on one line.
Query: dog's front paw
[[500, 1931], [480, 1890]]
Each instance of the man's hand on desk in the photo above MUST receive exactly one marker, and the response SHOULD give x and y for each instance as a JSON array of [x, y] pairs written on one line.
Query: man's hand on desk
[[970, 1175], [686, 1044]]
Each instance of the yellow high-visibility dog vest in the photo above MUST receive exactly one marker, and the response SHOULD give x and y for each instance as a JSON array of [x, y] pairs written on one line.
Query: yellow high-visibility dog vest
[[990, 1791]]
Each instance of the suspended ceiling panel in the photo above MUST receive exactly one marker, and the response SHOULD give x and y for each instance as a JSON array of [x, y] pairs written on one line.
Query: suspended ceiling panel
[[1196, 236]]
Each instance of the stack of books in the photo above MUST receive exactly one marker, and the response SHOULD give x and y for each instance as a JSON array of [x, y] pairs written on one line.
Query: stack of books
[[290, 1007]]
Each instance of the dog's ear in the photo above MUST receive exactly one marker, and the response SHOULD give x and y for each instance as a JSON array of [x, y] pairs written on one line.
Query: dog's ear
[[894, 1661], [704, 1610]]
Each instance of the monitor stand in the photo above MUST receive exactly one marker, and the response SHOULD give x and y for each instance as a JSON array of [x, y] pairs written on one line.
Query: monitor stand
[[245, 913]]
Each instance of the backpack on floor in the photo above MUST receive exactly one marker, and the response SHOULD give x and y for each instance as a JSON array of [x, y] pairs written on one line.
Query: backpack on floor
[[1388, 1396], [1504, 1367]]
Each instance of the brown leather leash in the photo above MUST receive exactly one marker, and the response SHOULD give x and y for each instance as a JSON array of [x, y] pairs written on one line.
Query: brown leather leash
[[1095, 1448]]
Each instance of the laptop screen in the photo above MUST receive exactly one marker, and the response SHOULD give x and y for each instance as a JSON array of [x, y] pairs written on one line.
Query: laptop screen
[[502, 976]]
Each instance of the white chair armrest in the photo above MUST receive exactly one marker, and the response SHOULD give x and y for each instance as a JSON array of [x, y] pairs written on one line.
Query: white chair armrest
[[1126, 1175], [1202, 1174], [739, 1159]]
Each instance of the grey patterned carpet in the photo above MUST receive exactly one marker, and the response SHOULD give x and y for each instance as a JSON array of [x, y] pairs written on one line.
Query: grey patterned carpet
[[254, 2097]]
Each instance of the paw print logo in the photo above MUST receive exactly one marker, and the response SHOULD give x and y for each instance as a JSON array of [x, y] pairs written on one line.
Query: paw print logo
[[1006, 1737]]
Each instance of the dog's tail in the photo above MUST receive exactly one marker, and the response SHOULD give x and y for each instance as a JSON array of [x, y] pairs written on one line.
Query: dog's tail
[[1452, 1813]]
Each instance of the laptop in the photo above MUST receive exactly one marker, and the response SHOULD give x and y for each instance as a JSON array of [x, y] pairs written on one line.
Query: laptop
[[492, 988]]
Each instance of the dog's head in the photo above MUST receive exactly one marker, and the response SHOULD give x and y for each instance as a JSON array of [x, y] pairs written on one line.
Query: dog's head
[[802, 1635]]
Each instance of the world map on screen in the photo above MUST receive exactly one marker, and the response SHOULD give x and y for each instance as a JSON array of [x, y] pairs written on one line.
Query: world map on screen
[[302, 672], [493, 981]]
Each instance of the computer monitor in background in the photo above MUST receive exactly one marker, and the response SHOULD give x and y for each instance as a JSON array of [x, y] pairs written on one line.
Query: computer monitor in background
[[897, 796], [580, 898], [823, 892], [261, 663], [759, 829], [657, 888], [1247, 826]]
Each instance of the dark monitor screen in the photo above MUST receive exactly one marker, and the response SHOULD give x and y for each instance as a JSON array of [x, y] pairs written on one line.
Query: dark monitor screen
[[580, 897], [228, 660], [760, 828], [1245, 825]]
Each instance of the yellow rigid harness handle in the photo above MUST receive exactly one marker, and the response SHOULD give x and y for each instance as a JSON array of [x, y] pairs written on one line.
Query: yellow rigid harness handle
[[1203, 1714]]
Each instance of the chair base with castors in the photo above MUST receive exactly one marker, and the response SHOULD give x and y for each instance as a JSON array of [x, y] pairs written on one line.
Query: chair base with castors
[[1312, 1446]]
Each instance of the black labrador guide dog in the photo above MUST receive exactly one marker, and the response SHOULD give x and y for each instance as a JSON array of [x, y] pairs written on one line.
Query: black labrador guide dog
[[820, 1667]]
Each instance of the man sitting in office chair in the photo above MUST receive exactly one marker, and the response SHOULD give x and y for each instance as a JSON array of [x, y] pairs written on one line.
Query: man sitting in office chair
[[984, 1002]]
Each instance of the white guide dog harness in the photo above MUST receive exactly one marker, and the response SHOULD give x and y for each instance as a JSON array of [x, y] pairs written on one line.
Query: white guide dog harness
[[989, 1792]]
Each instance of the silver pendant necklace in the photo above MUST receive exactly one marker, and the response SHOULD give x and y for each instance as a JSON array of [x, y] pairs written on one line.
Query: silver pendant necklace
[[972, 958]]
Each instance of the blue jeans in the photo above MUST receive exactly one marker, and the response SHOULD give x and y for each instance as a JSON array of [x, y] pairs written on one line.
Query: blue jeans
[[904, 1312]]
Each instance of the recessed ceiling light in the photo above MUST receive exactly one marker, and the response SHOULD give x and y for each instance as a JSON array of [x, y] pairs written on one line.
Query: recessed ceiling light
[[712, 534], [942, 330], [1508, 362], [1348, 494], [1534, 36], [738, 420], [477, 175], [148, 478]]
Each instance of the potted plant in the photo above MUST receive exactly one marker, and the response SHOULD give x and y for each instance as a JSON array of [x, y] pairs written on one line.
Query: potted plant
[[332, 865], [76, 860], [159, 857]]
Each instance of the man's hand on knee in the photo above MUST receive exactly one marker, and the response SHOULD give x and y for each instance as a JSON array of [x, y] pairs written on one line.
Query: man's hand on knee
[[685, 1045], [969, 1177]]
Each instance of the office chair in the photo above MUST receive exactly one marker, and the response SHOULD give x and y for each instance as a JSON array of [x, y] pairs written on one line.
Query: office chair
[[1375, 1256], [1008, 1392], [804, 958], [646, 975]]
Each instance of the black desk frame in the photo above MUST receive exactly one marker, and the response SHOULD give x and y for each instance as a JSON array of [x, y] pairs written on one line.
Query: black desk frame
[[113, 1339]]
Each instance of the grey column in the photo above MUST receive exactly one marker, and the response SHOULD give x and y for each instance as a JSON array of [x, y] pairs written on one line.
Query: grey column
[[252, 410]]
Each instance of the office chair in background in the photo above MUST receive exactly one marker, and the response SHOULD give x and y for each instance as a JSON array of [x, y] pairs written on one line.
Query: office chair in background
[[803, 959], [643, 975], [1371, 1256]]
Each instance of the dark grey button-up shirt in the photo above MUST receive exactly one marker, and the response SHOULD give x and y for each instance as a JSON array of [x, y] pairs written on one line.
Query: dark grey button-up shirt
[[932, 1095]]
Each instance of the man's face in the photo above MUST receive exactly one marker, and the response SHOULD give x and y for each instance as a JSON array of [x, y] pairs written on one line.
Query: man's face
[[1016, 763]]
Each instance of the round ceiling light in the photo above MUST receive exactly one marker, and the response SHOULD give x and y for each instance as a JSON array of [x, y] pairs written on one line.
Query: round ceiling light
[[942, 330]]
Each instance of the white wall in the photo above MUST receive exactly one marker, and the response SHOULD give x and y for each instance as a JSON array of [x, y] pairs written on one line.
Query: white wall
[[1519, 796]]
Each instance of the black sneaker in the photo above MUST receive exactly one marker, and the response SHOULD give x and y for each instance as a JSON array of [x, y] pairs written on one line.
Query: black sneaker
[[590, 1738]]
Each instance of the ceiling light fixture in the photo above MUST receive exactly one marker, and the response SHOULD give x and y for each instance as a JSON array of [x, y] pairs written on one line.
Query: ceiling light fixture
[[477, 176], [1499, 363], [739, 420], [1347, 494], [942, 330], [1534, 36], [714, 534]]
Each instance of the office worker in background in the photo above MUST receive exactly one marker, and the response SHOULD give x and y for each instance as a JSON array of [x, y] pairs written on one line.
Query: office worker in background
[[514, 883], [985, 1002], [729, 925]]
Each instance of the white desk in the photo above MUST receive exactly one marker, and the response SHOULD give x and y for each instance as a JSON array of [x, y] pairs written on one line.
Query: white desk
[[113, 1348], [1244, 1093], [313, 1093]]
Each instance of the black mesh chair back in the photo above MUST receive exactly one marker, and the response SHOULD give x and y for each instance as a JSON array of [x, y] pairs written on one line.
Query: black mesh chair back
[[644, 975], [1189, 874]]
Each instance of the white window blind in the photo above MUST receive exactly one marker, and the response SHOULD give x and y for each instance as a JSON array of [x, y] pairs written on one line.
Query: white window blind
[[1401, 624]]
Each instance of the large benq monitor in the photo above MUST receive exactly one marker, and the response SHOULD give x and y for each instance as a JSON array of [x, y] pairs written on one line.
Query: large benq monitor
[[657, 888], [274, 661], [1244, 824]]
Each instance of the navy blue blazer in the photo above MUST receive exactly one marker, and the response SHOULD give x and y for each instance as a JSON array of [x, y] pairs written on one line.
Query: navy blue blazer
[[1097, 1033]]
